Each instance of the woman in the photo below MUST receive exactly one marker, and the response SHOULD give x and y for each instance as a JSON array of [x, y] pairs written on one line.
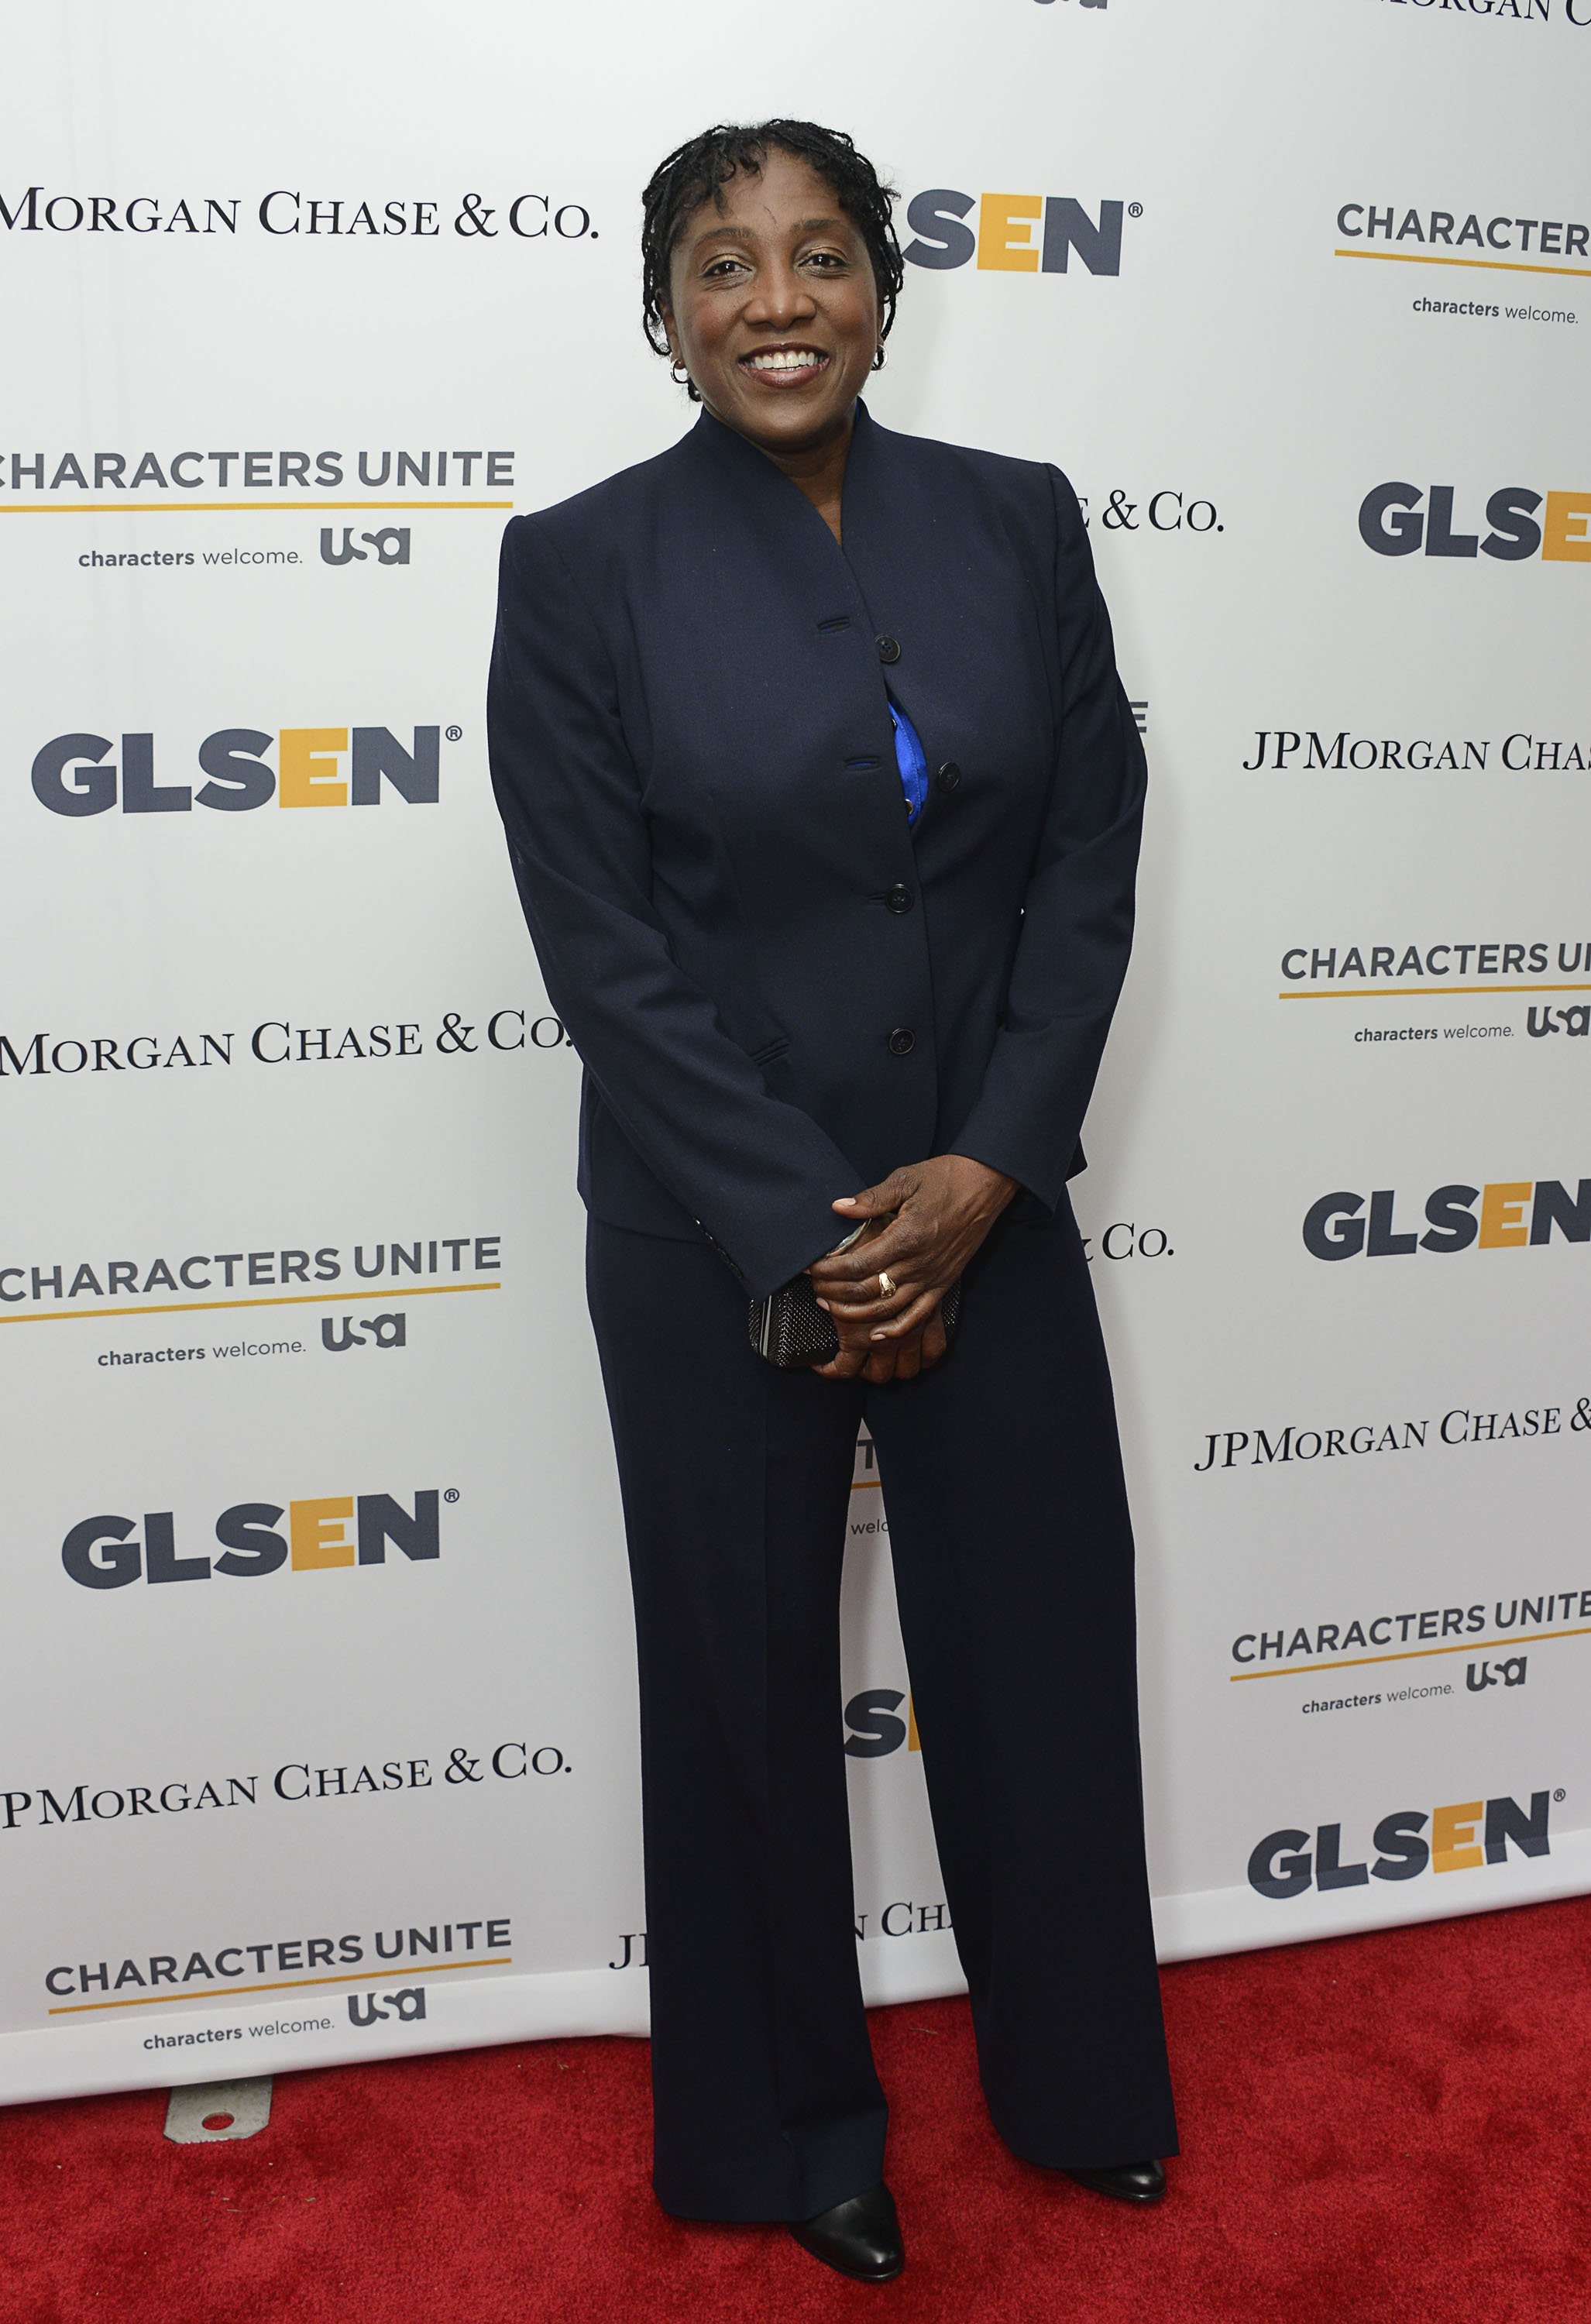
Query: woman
[[823, 801]]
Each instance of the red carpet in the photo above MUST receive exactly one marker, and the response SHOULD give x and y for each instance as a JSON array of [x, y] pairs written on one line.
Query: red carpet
[[1383, 2128]]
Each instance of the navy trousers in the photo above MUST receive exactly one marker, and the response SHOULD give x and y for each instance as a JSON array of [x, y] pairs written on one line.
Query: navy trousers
[[1014, 1574]]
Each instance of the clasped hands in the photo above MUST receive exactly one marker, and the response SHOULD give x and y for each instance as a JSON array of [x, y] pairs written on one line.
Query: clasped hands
[[923, 1225]]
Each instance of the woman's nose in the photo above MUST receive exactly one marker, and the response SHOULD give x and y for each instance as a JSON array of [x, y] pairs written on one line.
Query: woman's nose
[[782, 298]]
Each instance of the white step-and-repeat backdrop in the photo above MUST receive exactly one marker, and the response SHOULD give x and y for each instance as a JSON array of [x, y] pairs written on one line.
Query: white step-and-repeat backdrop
[[317, 1733]]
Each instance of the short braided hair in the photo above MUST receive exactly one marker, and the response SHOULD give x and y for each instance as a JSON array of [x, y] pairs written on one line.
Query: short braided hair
[[696, 171]]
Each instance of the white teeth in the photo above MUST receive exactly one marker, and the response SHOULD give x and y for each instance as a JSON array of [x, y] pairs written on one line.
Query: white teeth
[[788, 359]]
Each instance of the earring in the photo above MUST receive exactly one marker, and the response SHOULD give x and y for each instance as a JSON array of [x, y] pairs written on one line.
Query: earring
[[678, 373], [881, 357]]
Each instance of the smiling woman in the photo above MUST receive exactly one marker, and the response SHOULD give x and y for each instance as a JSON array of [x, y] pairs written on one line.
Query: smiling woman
[[774, 317], [823, 796]]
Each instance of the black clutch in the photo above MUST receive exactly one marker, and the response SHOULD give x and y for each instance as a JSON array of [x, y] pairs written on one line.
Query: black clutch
[[790, 1328]]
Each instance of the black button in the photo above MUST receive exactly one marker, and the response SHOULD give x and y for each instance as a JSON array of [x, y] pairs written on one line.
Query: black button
[[888, 649], [948, 777], [902, 1041], [900, 900]]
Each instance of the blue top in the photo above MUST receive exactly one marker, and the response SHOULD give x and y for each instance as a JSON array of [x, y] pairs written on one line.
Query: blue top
[[912, 761]]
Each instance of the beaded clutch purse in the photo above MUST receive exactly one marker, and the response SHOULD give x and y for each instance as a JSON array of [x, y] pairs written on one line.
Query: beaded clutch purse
[[790, 1328]]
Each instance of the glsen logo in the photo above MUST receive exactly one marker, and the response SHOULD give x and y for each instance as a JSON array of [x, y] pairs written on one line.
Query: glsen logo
[[1393, 523], [408, 2005], [1334, 1228], [1017, 234], [874, 1728], [104, 1553], [1283, 1865], [316, 766]]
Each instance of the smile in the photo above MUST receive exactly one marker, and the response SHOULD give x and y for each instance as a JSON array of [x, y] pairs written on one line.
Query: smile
[[784, 367]]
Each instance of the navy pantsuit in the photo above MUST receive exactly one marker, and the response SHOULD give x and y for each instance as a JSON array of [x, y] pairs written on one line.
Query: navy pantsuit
[[780, 992]]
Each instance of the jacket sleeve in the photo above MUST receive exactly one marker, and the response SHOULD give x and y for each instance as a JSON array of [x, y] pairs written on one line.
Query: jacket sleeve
[[1076, 927], [757, 1174]]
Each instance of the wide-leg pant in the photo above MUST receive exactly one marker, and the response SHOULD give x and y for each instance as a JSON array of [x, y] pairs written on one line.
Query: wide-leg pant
[[1014, 1574]]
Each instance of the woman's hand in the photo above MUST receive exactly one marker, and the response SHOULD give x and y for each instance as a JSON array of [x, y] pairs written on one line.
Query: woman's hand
[[924, 1222]]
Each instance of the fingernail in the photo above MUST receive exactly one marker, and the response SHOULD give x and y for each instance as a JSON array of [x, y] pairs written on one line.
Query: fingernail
[[824, 1306]]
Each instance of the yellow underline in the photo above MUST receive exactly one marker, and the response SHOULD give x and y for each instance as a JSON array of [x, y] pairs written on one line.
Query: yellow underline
[[867, 1485], [283, 1985], [1427, 991], [1494, 266], [187, 508], [1413, 1655], [204, 1306]]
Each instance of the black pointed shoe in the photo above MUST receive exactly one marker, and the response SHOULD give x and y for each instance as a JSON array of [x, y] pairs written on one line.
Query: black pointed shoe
[[859, 2237], [1129, 2182]]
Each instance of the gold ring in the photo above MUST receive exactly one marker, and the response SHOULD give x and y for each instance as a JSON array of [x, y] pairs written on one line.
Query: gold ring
[[886, 1287]]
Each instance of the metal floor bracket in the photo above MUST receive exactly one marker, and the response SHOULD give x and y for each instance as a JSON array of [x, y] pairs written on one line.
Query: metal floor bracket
[[204, 2111]]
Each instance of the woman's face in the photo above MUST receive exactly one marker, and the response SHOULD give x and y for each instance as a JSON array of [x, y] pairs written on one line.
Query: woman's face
[[773, 306]]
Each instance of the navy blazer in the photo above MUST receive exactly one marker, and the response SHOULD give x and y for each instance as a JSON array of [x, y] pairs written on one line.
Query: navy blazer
[[779, 989]]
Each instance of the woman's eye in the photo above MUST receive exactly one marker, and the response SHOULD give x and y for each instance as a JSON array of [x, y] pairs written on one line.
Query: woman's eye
[[824, 258], [719, 266]]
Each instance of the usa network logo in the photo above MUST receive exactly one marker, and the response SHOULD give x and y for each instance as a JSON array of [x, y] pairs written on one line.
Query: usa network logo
[[1016, 233], [408, 2005], [316, 766]]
